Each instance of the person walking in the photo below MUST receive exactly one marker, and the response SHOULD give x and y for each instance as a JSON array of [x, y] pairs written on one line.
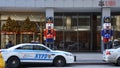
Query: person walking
[[9, 44], [110, 44]]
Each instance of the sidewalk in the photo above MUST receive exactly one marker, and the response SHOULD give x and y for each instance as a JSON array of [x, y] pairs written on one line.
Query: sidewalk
[[89, 58]]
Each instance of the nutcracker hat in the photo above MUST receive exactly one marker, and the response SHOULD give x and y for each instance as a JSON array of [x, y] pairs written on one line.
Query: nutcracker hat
[[107, 18]]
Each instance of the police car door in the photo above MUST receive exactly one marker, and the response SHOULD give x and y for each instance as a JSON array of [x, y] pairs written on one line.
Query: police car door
[[26, 53], [42, 54]]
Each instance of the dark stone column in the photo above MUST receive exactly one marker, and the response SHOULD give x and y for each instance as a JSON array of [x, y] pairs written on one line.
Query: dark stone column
[[94, 32]]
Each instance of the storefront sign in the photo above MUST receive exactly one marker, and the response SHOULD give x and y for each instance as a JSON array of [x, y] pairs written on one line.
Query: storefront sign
[[110, 3]]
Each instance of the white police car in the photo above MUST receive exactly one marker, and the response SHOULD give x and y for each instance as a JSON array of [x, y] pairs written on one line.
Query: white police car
[[30, 52], [112, 55]]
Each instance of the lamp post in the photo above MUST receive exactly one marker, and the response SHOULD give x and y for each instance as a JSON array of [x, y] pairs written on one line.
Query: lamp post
[[101, 4]]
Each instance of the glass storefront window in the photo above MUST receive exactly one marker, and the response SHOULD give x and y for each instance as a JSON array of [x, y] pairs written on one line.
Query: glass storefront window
[[24, 27], [58, 22], [74, 23], [75, 35], [27, 38], [116, 26], [83, 22], [98, 22], [33, 17]]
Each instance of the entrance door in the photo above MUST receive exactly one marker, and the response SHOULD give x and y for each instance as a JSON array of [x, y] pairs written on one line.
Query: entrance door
[[84, 32], [73, 32], [77, 33]]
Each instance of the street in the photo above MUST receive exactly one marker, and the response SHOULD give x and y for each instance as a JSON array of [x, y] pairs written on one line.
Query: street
[[83, 61], [72, 65]]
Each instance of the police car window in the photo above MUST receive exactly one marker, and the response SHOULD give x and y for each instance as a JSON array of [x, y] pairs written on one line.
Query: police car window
[[26, 47], [36, 47]]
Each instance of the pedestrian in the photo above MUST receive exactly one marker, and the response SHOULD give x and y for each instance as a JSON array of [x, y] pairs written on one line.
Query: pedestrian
[[116, 43], [9, 44], [110, 44]]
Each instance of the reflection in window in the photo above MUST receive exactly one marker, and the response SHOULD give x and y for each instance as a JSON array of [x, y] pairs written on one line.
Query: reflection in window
[[27, 47], [39, 48]]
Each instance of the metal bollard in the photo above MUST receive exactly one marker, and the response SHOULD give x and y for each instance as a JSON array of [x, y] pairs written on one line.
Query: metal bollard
[[74, 58]]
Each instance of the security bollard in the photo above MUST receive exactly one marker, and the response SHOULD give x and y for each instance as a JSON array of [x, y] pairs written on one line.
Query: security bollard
[[74, 58]]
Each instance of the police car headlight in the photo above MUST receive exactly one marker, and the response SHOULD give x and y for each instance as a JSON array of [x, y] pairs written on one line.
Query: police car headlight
[[68, 54]]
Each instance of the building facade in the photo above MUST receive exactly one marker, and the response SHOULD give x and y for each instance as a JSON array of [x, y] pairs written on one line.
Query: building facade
[[77, 22]]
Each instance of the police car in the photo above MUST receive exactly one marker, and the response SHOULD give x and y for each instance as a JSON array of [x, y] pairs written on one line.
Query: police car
[[31, 52], [112, 55]]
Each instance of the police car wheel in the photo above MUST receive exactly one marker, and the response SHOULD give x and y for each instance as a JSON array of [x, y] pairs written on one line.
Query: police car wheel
[[118, 61], [13, 62], [59, 61]]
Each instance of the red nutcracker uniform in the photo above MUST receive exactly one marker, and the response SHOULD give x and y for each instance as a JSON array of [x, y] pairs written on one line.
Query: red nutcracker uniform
[[49, 35]]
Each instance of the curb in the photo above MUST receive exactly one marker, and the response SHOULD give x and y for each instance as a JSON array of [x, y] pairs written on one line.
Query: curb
[[77, 63], [89, 62]]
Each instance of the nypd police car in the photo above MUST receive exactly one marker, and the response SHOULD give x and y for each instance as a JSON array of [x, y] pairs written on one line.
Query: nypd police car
[[112, 55], [29, 52]]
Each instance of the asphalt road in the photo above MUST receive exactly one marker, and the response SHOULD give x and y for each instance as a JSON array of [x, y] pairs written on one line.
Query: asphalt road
[[71, 66]]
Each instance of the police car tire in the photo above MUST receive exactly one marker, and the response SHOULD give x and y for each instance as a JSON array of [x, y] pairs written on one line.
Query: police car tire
[[59, 61], [118, 62], [15, 60]]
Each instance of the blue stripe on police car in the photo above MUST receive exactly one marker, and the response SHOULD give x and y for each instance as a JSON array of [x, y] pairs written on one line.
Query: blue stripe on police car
[[41, 56]]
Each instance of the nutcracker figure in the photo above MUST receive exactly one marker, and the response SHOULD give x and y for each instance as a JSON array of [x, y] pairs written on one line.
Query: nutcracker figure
[[106, 32], [49, 33]]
